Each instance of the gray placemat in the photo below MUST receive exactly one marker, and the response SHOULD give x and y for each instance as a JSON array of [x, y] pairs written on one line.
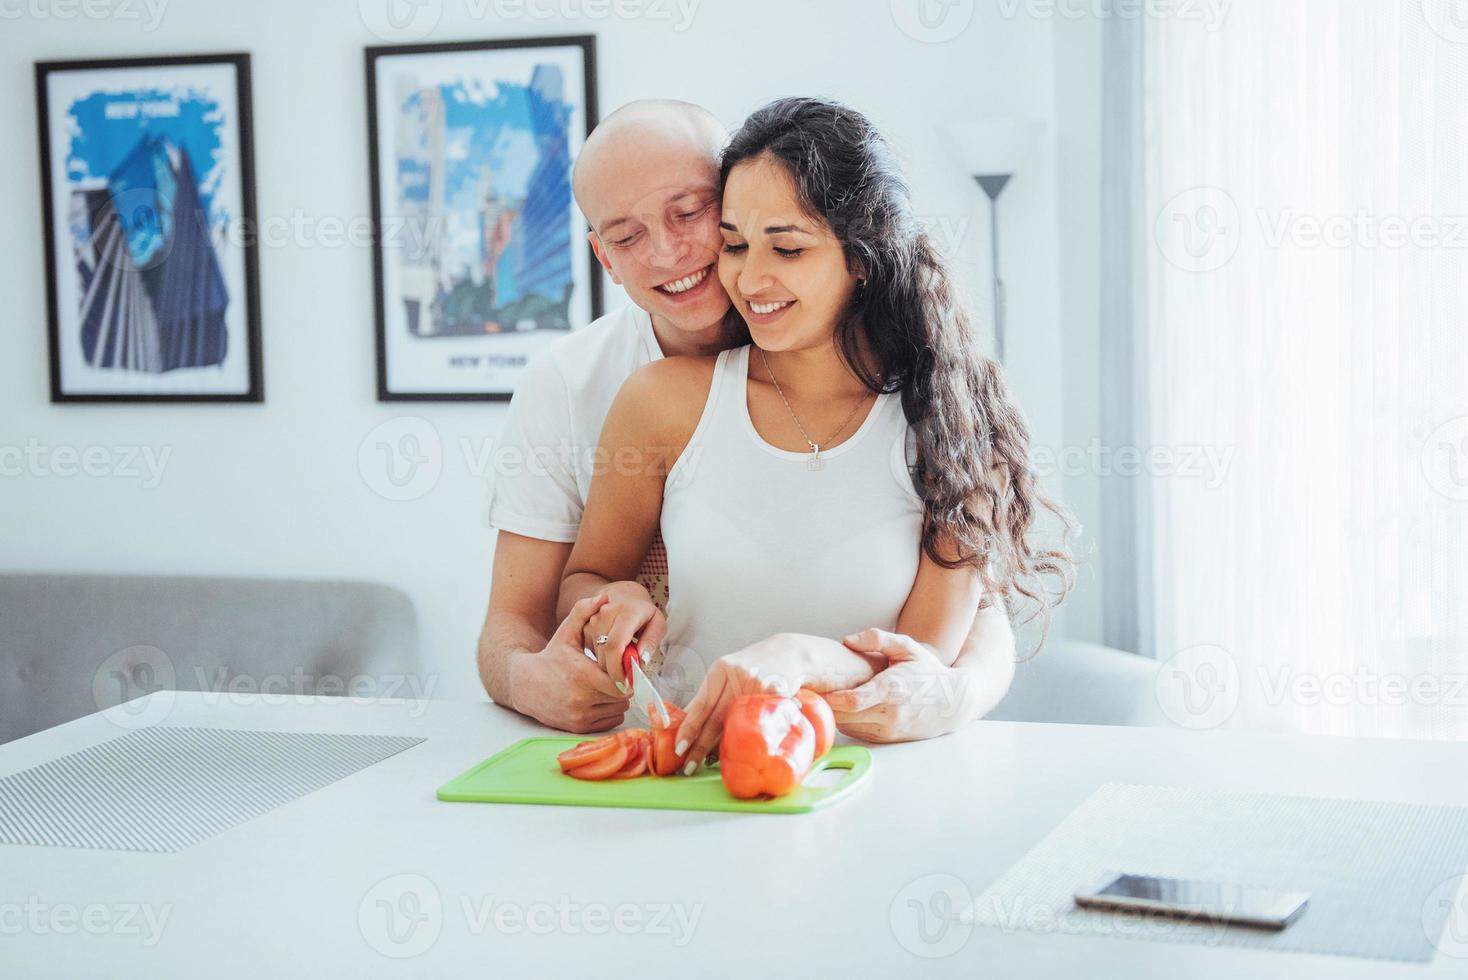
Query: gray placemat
[[1382, 877], [164, 788]]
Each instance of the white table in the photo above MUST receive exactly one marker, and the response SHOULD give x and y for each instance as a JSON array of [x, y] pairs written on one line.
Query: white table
[[295, 893]]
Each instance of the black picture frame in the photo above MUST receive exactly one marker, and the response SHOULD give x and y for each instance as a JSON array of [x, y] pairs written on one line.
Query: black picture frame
[[251, 348], [593, 284]]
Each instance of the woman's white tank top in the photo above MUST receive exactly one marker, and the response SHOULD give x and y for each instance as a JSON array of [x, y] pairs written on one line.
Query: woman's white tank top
[[760, 543]]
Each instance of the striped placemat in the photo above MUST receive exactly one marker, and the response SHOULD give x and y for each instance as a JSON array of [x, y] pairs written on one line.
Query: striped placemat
[[162, 788]]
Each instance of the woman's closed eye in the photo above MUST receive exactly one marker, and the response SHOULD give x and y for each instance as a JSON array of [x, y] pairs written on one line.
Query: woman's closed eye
[[736, 247]]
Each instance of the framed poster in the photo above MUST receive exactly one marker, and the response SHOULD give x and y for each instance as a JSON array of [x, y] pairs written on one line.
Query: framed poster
[[480, 258], [147, 180]]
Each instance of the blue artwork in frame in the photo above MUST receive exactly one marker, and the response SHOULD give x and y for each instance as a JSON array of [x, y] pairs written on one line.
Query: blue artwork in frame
[[147, 180], [480, 258]]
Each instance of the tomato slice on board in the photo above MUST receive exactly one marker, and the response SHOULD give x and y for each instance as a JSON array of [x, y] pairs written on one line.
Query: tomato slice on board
[[637, 749], [606, 766], [585, 753], [635, 736]]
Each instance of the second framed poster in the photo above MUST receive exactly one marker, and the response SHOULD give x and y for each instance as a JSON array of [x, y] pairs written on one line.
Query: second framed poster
[[480, 257]]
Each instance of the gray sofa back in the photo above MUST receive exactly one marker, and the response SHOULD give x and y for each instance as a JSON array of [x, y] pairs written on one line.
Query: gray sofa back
[[1074, 682], [73, 644]]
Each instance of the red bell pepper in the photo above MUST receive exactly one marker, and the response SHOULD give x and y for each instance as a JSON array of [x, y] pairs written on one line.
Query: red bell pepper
[[821, 718], [767, 748]]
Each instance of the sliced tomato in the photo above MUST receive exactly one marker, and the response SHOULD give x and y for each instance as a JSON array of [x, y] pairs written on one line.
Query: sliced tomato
[[637, 754], [605, 766], [665, 759], [675, 716], [585, 753], [819, 714], [635, 736]]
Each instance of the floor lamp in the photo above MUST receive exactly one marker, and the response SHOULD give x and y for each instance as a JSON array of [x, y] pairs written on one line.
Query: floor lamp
[[990, 151]]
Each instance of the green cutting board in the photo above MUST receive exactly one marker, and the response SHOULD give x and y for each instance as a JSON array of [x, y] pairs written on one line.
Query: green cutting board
[[527, 772]]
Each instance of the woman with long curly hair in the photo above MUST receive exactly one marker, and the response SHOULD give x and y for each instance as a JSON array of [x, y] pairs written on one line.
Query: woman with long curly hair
[[858, 465]]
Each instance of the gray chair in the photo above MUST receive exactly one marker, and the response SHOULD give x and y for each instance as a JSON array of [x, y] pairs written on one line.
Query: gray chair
[[71, 644], [1083, 683]]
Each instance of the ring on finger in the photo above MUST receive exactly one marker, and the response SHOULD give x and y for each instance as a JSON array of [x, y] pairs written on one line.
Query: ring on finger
[[602, 640]]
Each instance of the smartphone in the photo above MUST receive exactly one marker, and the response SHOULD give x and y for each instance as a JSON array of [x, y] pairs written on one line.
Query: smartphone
[[1214, 901]]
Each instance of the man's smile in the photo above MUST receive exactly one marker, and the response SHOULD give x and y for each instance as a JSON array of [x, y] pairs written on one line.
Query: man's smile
[[686, 284]]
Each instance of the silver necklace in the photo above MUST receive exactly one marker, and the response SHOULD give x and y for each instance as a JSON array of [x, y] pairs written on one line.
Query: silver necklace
[[815, 462]]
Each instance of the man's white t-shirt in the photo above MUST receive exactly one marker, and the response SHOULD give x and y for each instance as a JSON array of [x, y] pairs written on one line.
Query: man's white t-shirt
[[547, 450]]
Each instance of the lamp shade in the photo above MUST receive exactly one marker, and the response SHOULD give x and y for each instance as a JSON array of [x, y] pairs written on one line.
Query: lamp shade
[[995, 145]]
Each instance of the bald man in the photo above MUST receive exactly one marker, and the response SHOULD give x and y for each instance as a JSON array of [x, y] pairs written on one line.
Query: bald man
[[647, 180]]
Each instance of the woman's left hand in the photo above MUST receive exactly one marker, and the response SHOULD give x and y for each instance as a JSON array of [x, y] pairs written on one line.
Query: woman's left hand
[[917, 696], [770, 666]]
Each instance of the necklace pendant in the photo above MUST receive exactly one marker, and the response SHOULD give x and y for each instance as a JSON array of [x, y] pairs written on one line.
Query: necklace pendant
[[815, 462]]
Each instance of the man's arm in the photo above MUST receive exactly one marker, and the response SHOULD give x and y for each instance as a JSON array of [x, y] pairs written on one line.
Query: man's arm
[[522, 596], [524, 661]]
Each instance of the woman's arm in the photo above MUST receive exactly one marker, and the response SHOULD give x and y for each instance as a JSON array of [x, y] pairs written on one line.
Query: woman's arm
[[938, 614], [919, 694], [649, 424], [940, 608]]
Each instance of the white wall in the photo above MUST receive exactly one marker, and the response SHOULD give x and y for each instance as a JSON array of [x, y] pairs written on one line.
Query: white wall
[[275, 489]]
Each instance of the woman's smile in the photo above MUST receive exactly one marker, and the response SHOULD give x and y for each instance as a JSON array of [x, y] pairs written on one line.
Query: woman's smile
[[766, 313]]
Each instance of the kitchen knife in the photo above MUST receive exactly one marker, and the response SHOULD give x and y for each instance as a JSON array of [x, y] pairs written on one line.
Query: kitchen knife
[[643, 692]]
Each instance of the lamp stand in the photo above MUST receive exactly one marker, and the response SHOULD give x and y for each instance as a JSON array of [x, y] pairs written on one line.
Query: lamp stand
[[992, 184]]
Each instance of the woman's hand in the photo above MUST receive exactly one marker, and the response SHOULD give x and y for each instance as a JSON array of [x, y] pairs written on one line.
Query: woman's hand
[[772, 666], [917, 696], [628, 613]]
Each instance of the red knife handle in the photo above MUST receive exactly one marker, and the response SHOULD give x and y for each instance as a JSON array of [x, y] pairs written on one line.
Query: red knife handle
[[629, 655]]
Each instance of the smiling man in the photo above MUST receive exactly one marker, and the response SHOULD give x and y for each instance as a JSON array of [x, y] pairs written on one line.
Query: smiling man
[[647, 180]]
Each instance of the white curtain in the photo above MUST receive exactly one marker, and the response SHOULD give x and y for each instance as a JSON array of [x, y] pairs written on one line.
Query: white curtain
[[1306, 187]]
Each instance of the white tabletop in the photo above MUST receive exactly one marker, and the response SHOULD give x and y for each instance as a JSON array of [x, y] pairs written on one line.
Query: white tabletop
[[305, 890]]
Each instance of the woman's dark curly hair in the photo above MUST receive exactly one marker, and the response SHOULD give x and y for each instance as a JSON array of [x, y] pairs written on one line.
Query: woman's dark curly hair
[[973, 469]]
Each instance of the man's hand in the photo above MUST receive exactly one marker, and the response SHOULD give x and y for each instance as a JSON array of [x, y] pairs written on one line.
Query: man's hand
[[917, 696], [563, 688], [629, 613]]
